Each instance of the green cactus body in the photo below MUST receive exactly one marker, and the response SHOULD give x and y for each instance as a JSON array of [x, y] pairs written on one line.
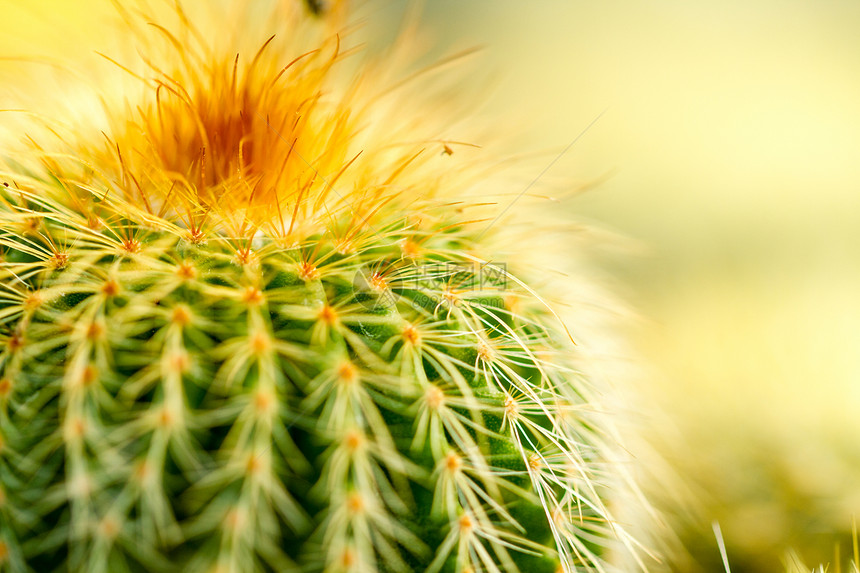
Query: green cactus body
[[184, 392]]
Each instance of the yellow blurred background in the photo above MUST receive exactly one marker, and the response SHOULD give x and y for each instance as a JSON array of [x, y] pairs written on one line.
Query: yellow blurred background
[[731, 134], [732, 131]]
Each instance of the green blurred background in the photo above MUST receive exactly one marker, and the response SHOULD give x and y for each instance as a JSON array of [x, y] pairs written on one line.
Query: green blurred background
[[731, 134]]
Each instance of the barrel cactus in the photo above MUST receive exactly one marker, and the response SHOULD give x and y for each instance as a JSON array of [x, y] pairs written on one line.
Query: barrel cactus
[[247, 327]]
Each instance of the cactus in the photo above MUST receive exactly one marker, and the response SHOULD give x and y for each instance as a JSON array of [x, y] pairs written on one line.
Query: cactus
[[247, 329]]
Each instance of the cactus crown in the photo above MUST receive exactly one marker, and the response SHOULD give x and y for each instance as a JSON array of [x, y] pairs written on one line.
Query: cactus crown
[[249, 331]]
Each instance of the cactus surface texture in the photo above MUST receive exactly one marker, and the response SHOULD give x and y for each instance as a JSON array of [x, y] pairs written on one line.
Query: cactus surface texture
[[247, 327]]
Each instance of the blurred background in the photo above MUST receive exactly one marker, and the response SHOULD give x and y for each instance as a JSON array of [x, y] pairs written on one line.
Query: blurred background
[[729, 154], [731, 134]]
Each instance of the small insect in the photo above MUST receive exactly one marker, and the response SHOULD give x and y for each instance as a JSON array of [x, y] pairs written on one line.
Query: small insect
[[446, 150], [317, 7]]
